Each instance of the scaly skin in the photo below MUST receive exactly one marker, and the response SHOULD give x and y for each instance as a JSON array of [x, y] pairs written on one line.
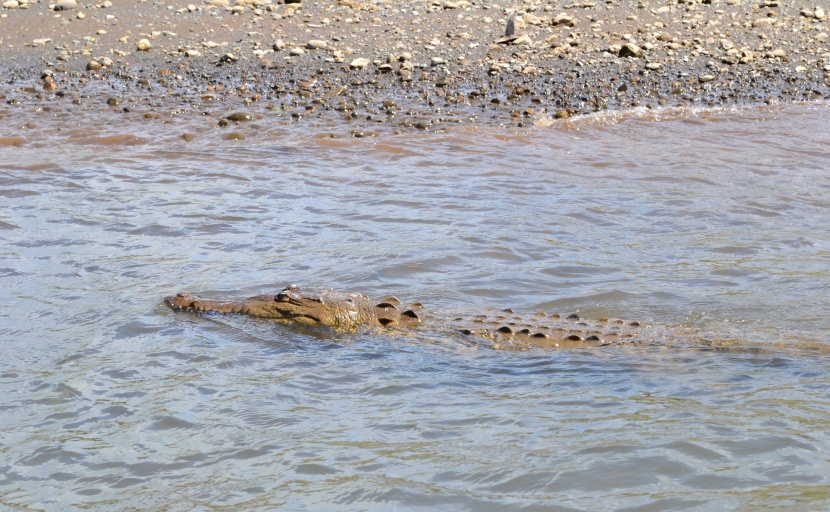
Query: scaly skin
[[350, 311]]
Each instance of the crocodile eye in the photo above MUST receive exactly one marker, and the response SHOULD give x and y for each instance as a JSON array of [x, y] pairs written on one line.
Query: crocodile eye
[[281, 297]]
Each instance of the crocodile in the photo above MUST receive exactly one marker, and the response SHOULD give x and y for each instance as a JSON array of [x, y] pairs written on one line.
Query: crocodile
[[351, 311]]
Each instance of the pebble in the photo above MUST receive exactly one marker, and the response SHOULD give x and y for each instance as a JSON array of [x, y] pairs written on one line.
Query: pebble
[[360, 63], [93, 65], [239, 117], [706, 78], [317, 44], [279, 45], [523, 39], [65, 5], [144, 45], [630, 50], [564, 20], [296, 52]]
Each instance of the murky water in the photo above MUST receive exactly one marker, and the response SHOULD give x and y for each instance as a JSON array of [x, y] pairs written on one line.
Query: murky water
[[716, 220]]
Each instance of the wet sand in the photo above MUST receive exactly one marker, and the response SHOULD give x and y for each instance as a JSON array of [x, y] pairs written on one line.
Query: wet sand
[[400, 65]]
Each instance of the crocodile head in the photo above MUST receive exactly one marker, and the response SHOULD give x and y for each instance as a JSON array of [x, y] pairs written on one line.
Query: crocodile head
[[329, 308]]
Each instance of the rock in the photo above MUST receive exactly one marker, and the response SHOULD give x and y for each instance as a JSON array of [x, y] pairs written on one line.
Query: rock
[[11, 4], [564, 20], [296, 52], [630, 50], [437, 61], [819, 13], [822, 37], [106, 62], [41, 42], [523, 39], [279, 45], [143, 45], [360, 63], [65, 5], [192, 53], [763, 22], [653, 66], [239, 117], [93, 65], [460, 4], [705, 78], [317, 44]]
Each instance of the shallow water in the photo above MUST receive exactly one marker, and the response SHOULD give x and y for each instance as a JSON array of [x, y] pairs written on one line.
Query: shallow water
[[711, 219]]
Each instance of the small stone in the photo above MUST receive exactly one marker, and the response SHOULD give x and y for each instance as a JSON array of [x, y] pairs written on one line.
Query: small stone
[[41, 42], [93, 65], [460, 4], [780, 53], [80, 16], [65, 5], [822, 37], [239, 117], [192, 53], [437, 61], [106, 62], [11, 4], [143, 45], [296, 52], [317, 44], [523, 39], [819, 13], [360, 63], [630, 50], [564, 20], [706, 78], [279, 45], [653, 66]]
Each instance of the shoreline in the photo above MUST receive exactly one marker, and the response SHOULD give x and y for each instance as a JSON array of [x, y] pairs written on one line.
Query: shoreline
[[408, 66]]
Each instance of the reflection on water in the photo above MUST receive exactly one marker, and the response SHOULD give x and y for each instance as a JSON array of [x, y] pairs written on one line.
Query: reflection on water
[[713, 220]]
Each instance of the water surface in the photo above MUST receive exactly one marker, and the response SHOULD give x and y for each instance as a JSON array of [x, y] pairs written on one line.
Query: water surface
[[711, 219]]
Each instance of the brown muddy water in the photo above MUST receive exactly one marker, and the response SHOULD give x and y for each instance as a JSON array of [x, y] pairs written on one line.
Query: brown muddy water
[[716, 220]]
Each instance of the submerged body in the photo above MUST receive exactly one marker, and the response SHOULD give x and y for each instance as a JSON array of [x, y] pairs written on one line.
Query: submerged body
[[351, 311]]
